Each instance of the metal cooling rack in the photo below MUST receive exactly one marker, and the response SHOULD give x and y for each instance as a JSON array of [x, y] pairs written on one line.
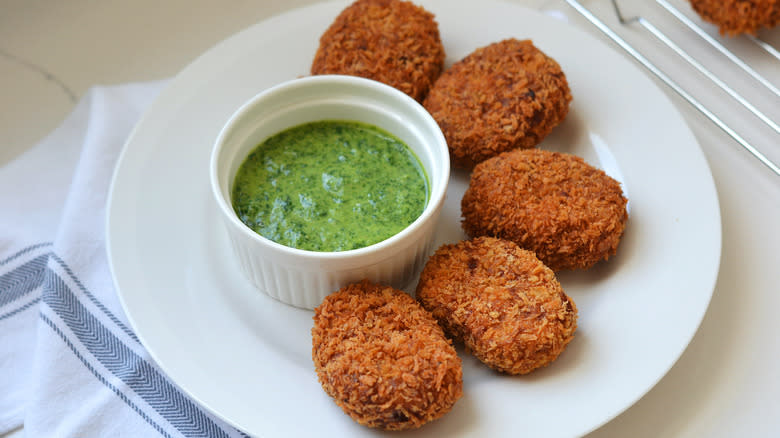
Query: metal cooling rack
[[746, 69]]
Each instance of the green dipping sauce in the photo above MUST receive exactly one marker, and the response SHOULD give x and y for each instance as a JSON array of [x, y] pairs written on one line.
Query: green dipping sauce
[[330, 186]]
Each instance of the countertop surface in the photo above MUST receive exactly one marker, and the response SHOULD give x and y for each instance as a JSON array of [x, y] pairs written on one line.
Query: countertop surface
[[725, 384]]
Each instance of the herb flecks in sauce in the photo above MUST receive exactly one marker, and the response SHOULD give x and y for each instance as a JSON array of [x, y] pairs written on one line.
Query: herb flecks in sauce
[[330, 186]]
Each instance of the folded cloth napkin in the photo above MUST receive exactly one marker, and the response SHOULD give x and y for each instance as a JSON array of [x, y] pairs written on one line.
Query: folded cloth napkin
[[70, 365]]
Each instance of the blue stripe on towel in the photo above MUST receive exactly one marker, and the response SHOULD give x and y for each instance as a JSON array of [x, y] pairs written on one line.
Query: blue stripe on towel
[[94, 300], [20, 309], [133, 370], [24, 251], [22, 280], [102, 379]]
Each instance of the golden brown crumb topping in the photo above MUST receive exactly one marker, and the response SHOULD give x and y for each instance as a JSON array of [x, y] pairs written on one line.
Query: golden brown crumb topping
[[504, 304], [383, 358]]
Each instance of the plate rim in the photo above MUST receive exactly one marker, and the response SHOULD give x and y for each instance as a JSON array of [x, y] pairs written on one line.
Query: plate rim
[[165, 99]]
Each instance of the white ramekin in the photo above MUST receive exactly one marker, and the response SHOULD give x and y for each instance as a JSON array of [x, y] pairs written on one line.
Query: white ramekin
[[303, 278]]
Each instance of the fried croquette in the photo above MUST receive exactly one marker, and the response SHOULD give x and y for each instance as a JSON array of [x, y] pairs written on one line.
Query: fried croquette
[[735, 17], [568, 212], [383, 358], [503, 96], [501, 301], [390, 41]]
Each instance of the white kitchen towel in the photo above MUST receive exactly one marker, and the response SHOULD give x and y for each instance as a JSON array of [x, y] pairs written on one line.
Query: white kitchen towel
[[70, 365]]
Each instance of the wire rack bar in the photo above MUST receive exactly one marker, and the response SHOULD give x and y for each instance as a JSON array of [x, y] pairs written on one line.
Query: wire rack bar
[[720, 47], [628, 48], [703, 70], [767, 47]]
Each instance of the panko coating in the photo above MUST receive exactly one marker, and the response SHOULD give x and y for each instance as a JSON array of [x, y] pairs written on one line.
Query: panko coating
[[568, 212], [501, 301], [390, 41], [383, 358], [500, 97], [735, 17]]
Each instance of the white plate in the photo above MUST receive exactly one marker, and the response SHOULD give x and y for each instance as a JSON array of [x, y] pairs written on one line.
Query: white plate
[[247, 358]]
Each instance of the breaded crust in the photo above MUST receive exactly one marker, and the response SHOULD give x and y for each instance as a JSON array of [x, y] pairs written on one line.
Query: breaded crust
[[503, 96], [383, 358], [506, 307], [390, 41], [734, 17], [569, 213]]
